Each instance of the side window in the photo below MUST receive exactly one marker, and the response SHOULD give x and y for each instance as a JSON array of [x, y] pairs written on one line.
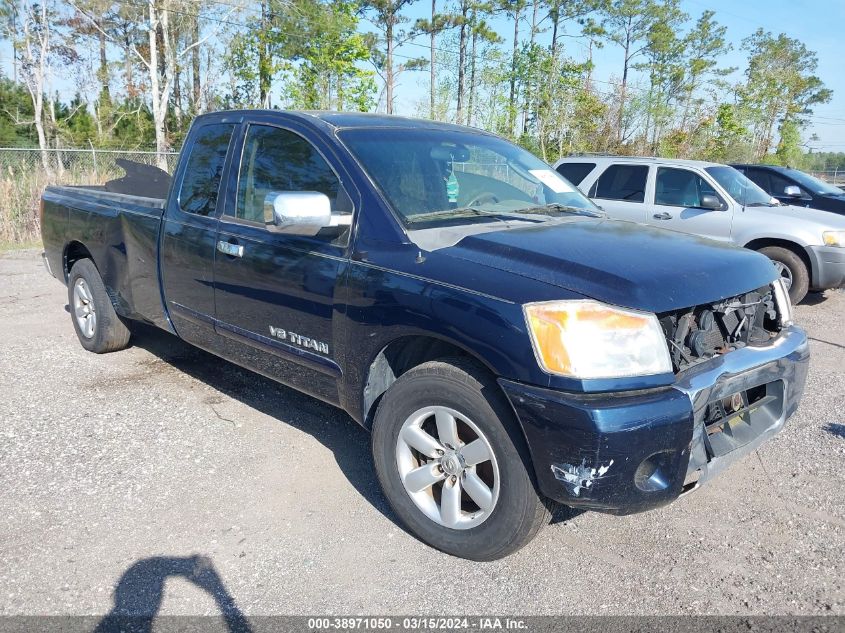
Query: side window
[[201, 182], [277, 160], [622, 182], [779, 183], [680, 188], [760, 178], [575, 172]]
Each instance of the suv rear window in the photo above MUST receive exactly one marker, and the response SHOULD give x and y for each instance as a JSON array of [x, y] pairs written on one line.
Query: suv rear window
[[575, 172], [622, 182]]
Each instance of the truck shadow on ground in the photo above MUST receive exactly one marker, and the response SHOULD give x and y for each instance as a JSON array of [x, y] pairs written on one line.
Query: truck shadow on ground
[[349, 443], [139, 593]]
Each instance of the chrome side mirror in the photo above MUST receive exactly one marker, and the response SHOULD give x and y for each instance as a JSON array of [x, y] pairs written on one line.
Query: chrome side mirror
[[792, 191], [710, 202], [301, 212]]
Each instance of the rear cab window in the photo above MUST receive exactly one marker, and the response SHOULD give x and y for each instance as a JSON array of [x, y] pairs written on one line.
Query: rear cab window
[[200, 186], [622, 182], [575, 172]]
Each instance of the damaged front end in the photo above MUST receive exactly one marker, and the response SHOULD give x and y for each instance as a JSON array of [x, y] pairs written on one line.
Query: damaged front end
[[702, 332], [740, 369], [575, 478]]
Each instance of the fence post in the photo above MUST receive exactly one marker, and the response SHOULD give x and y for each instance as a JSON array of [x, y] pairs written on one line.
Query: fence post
[[94, 160]]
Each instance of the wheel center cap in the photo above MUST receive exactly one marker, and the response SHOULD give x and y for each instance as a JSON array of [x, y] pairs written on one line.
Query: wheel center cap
[[452, 463]]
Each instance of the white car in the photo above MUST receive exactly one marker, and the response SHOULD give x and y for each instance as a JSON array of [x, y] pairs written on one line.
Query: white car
[[718, 202]]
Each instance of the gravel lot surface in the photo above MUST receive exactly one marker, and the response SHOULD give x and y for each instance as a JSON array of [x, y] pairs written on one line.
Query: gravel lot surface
[[162, 474]]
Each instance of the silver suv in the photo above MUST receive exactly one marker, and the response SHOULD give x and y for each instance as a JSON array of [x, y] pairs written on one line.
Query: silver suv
[[717, 201]]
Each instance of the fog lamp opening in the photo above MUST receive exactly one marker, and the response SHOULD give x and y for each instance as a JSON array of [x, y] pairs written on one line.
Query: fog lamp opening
[[652, 475]]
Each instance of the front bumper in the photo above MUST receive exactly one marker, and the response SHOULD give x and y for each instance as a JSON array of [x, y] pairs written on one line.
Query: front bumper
[[632, 451], [828, 264]]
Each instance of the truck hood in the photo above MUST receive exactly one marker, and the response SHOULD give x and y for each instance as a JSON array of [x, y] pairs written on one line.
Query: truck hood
[[621, 263]]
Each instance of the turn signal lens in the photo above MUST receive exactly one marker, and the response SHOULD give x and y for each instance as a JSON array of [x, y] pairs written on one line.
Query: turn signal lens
[[588, 339], [834, 238]]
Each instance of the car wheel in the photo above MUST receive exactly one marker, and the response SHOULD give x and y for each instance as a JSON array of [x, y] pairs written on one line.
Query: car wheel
[[792, 270], [97, 325], [453, 463]]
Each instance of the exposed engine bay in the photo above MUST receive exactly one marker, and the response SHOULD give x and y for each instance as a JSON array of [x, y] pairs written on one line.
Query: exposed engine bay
[[707, 330]]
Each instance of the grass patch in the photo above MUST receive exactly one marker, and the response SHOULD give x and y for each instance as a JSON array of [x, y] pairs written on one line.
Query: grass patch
[[23, 179], [6, 247]]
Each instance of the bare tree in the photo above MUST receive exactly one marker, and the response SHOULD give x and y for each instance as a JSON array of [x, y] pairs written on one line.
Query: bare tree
[[160, 61], [388, 19], [34, 44]]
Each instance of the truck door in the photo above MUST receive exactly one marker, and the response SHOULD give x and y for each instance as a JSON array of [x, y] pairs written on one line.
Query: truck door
[[677, 199], [275, 292], [189, 231]]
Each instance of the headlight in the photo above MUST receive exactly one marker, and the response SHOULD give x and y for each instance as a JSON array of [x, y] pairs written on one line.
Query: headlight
[[588, 339], [782, 302], [833, 238]]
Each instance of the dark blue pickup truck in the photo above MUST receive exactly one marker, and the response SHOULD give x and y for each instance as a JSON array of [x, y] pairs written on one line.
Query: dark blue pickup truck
[[506, 343]]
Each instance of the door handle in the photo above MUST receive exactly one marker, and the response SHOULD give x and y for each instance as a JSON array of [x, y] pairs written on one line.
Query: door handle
[[662, 216], [232, 250]]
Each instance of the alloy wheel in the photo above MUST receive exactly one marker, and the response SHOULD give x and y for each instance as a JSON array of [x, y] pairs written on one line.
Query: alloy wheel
[[448, 467], [83, 308]]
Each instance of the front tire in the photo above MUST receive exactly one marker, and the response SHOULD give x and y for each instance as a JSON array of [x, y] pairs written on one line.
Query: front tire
[[453, 463], [97, 325], [792, 270]]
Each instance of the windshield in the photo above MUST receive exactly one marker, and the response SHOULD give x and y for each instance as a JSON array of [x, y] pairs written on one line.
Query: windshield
[[811, 183], [461, 177], [740, 188]]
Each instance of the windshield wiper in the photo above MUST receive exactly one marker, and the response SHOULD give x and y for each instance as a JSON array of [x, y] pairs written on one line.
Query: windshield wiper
[[563, 208], [461, 212], [760, 204]]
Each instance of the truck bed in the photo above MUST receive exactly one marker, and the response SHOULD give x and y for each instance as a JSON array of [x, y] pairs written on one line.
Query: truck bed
[[123, 240], [98, 195]]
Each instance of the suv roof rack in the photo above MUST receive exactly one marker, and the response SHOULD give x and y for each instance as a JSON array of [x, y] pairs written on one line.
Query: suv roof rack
[[610, 155]]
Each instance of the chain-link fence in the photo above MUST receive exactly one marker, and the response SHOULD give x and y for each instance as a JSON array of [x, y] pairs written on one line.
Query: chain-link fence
[[25, 172], [833, 176]]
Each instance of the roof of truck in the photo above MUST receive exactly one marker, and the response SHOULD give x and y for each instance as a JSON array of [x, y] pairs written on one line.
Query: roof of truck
[[763, 166], [342, 120], [368, 119]]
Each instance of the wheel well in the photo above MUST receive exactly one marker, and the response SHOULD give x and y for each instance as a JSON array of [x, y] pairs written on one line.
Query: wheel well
[[404, 354], [74, 251], [756, 245], [397, 358]]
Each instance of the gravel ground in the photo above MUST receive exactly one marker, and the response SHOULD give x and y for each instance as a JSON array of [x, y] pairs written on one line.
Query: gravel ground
[[162, 474]]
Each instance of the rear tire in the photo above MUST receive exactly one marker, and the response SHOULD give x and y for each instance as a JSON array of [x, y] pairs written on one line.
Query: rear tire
[[97, 325], [792, 269], [476, 458]]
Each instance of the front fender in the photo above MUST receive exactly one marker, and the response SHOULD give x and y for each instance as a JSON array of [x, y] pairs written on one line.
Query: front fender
[[383, 306], [799, 238]]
